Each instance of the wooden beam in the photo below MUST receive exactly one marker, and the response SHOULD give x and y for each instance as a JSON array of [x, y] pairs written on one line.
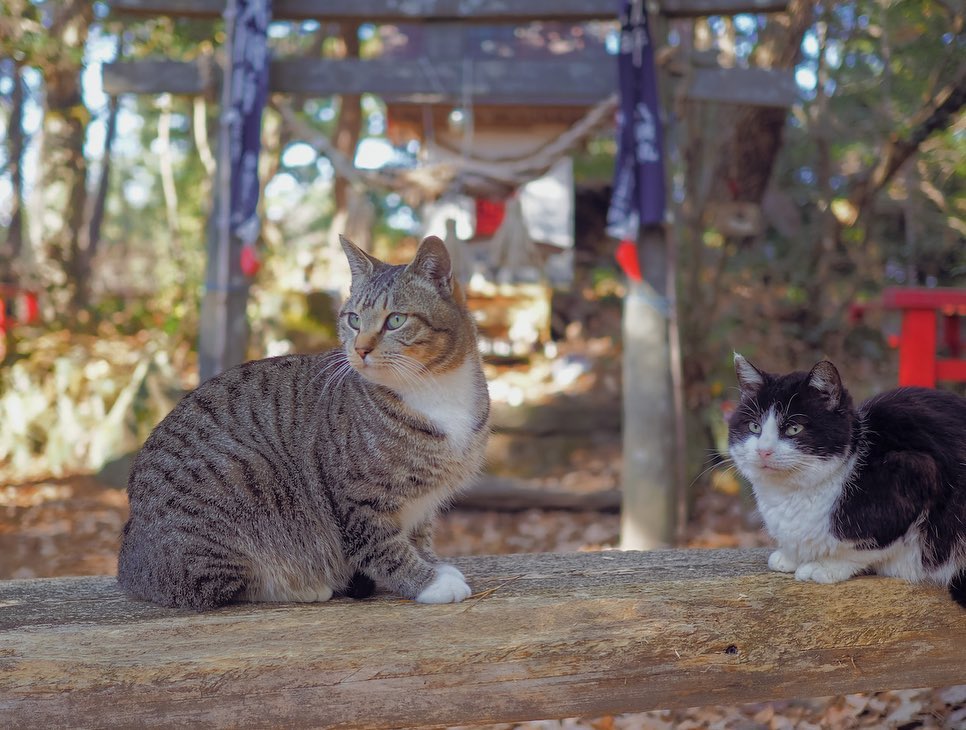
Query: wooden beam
[[585, 81], [491, 11], [546, 636], [749, 86], [537, 82]]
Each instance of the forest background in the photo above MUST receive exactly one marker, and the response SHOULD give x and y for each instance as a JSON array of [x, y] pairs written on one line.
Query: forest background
[[104, 203]]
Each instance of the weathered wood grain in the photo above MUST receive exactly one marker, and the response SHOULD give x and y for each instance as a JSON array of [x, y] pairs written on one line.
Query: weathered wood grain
[[575, 82], [545, 636]]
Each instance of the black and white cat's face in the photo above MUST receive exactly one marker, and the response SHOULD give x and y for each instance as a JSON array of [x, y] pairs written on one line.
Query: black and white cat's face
[[790, 430]]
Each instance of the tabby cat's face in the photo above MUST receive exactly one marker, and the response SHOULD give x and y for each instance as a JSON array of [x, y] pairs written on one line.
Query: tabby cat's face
[[402, 323], [790, 428]]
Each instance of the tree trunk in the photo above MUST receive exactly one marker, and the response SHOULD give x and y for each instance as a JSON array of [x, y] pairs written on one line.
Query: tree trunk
[[346, 138], [65, 167], [13, 243], [100, 201], [168, 187]]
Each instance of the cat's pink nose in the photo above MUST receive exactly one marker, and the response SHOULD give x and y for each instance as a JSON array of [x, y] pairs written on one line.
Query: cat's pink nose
[[765, 453], [363, 351]]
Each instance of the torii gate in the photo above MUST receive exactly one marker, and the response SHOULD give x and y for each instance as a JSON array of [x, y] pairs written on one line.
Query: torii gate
[[649, 470]]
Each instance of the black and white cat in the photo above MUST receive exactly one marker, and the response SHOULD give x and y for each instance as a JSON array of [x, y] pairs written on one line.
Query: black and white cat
[[845, 490]]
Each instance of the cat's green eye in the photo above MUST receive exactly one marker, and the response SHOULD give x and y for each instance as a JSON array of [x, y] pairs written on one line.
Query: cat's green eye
[[794, 429], [754, 427], [395, 320], [353, 319]]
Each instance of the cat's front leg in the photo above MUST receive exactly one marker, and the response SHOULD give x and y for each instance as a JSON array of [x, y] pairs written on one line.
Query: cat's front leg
[[782, 562], [392, 560], [828, 570], [422, 537]]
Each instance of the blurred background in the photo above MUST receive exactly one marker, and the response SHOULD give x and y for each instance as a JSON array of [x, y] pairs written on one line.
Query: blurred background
[[788, 216]]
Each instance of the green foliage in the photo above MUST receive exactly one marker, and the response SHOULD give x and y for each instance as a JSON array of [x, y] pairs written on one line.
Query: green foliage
[[73, 403], [784, 294]]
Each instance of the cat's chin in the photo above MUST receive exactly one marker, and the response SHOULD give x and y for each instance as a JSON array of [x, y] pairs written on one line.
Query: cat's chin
[[378, 374], [772, 475]]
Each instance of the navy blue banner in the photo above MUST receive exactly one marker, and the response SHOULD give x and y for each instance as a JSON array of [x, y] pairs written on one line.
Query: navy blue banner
[[249, 90], [638, 197]]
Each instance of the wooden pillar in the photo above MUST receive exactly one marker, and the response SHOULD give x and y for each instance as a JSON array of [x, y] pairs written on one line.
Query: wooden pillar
[[917, 348], [223, 337], [648, 478]]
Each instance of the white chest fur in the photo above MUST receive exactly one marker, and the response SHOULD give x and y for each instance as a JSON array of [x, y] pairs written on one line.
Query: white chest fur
[[449, 402], [799, 515]]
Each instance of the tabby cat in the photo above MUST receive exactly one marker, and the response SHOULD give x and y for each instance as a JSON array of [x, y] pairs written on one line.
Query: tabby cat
[[844, 490], [299, 477]]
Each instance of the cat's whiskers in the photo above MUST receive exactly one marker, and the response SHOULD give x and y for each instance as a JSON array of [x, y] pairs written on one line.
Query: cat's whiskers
[[411, 379], [725, 461], [333, 359], [334, 377], [418, 374]]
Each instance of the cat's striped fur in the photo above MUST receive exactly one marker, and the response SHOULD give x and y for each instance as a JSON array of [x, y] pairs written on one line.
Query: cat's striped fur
[[299, 477]]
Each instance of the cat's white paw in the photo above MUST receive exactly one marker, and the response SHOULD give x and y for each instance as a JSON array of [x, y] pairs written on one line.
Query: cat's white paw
[[448, 586], [825, 571], [781, 562]]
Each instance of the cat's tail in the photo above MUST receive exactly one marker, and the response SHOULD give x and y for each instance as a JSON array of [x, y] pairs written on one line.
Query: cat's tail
[[957, 588]]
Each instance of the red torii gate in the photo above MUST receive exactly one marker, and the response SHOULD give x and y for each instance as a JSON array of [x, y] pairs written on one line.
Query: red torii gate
[[918, 342]]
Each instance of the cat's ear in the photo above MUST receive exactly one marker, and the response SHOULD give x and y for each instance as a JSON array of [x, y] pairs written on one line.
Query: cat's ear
[[432, 262], [824, 378], [360, 263], [750, 378]]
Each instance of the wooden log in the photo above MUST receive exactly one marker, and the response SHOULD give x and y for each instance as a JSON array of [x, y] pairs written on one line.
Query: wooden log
[[544, 636], [572, 82], [491, 11]]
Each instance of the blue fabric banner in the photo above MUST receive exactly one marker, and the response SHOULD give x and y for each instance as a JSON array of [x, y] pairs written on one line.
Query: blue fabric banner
[[249, 91], [638, 197]]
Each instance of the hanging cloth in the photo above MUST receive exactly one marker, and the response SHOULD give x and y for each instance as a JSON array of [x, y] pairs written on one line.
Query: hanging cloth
[[249, 91], [638, 196]]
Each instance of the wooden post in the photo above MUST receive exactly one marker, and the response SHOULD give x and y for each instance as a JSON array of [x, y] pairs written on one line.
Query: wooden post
[[649, 467], [223, 337]]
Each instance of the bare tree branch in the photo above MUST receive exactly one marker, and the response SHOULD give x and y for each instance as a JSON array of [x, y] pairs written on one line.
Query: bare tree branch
[[933, 117]]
